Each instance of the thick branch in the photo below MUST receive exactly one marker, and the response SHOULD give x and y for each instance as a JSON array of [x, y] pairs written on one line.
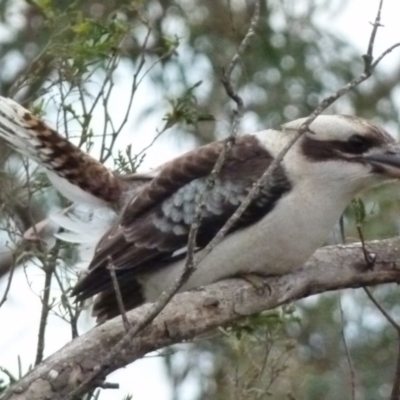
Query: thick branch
[[193, 313]]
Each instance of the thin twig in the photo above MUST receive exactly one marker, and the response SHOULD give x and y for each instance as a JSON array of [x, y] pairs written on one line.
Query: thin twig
[[155, 138], [226, 79], [346, 347], [49, 264], [342, 229], [382, 310], [375, 26], [369, 258], [229, 142], [44, 314], [191, 263], [9, 375], [73, 314], [384, 54], [347, 350], [108, 385], [118, 294], [136, 81], [9, 280], [395, 395], [20, 375], [17, 256]]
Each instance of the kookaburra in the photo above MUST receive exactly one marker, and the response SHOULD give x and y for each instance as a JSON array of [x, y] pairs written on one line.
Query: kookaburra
[[339, 157]]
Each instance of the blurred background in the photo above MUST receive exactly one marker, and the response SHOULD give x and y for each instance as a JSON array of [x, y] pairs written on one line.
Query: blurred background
[[136, 83]]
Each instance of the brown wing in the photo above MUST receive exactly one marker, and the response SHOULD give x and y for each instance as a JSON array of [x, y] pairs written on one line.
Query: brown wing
[[155, 224]]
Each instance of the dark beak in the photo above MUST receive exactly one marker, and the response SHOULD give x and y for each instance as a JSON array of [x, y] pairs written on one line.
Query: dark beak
[[387, 162]]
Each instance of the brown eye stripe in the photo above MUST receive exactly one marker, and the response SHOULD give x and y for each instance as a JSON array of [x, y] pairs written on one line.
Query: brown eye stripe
[[320, 150], [356, 144]]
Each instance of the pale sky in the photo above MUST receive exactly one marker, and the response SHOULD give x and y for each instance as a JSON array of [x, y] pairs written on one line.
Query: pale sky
[[145, 379]]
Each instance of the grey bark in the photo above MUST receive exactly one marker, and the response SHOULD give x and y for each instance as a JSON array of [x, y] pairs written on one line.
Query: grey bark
[[193, 313]]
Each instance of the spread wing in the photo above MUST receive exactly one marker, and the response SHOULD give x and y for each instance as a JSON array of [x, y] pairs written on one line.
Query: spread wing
[[154, 225]]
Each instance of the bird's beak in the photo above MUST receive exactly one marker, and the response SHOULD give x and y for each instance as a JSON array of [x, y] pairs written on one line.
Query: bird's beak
[[386, 162]]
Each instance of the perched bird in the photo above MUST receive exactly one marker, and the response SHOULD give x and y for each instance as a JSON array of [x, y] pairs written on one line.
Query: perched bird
[[339, 157]]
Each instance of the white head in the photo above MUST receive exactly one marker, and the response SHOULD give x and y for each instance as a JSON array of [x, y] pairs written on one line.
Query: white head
[[344, 151]]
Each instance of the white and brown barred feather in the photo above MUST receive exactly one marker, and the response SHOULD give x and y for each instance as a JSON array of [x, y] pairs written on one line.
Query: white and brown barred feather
[[73, 172]]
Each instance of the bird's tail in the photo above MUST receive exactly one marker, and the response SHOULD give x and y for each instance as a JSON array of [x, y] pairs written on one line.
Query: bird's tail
[[72, 171], [26, 133]]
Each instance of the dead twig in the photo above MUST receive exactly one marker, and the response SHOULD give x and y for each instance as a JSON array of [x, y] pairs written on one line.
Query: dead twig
[[232, 93], [118, 294], [395, 395], [49, 262], [73, 312], [226, 79], [9, 280], [347, 351], [382, 310]]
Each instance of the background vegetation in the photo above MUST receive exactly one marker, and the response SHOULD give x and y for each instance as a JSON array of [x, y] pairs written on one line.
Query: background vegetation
[[82, 65]]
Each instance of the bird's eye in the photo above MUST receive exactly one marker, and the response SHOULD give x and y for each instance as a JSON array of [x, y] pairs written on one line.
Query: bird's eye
[[357, 144]]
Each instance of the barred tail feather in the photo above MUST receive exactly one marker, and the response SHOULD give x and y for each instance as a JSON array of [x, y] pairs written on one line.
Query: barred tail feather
[[77, 175], [16, 130]]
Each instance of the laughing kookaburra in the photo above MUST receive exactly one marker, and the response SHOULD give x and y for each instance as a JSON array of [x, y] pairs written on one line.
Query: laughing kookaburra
[[330, 164]]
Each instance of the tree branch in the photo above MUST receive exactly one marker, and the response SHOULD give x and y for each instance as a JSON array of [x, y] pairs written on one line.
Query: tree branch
[[193, 313]]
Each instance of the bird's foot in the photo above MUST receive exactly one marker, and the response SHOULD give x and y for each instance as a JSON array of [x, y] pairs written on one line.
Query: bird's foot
[[370, 259], [258, 283]]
